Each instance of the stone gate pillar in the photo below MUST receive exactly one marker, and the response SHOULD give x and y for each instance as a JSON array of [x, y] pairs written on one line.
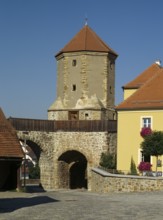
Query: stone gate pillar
[[63, 175]]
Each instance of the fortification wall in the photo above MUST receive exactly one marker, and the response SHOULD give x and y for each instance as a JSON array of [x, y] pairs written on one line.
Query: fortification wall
[[54, 144]]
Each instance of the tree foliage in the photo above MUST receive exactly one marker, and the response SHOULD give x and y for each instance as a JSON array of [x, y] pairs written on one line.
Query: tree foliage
[[34, 172], [108, 160], [133, 170], [153, 144]]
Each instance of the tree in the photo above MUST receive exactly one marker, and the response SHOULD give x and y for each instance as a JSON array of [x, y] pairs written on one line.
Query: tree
[[153, 145], [34, 172], [108, 160], [133, 170]]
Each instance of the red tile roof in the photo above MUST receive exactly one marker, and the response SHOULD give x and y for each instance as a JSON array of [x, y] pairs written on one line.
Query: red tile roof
[[87, 40], [149, 95], [143, 77], [9, 143]]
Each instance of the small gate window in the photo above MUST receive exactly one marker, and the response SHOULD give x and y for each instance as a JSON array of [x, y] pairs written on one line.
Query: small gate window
[[86, 116], [74, 63], [73, 115]]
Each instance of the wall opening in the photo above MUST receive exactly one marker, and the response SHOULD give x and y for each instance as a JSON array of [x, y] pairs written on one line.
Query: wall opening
[[73, 174], [73, 87], [73, 115], [78, 175], [30, 169], [9, 173]]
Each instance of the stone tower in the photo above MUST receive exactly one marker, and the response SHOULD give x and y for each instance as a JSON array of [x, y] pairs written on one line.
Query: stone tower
[[85, 79]]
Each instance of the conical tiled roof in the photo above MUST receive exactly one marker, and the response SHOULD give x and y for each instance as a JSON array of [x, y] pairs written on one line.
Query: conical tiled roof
[[148, 96], [9, 143], [87, 40]]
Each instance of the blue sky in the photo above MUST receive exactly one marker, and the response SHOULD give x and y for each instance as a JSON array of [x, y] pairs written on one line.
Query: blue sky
[[33, 31]]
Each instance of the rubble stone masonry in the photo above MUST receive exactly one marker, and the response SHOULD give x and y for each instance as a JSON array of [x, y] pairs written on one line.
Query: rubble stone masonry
[[103, 182], [54, 144]]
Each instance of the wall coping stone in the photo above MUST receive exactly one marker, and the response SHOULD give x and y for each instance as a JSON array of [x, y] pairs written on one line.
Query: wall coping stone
[[107, 174]]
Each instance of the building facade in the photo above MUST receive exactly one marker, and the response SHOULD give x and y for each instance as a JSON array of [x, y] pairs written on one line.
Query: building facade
[[142, 107]]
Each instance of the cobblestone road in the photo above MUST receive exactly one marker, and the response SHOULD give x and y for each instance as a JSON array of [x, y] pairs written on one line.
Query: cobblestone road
[[81, 205]]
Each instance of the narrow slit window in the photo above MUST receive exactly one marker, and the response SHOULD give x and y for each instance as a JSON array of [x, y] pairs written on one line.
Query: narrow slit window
[[110, 90], [74, 63], [73, 87]]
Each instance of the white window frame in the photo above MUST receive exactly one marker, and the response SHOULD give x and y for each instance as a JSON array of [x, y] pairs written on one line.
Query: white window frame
[[142, 124], [141, 158]]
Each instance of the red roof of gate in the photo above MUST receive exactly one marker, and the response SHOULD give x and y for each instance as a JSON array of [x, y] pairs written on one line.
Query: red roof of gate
[[9, 143], [87, 40]]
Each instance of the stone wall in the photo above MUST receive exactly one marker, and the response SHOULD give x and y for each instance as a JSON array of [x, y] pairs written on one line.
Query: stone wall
[[55, 144], [104, 182]]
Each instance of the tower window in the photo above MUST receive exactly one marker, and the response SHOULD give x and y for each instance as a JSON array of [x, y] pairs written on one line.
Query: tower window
[[110, 90], [74, 62], [86, 116], [111, 65], [73, 87]]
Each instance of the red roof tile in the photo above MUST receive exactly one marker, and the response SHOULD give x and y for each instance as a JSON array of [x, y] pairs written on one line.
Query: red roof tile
[[9, 143], [86, 40], [148, 96]]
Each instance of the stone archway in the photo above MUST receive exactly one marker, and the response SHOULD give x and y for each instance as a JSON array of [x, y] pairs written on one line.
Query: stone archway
[[35, 148], [72, 170], [36, 141], [30, 169]]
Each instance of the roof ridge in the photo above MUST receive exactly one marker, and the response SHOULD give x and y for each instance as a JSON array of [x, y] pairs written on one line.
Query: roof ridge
[[86, 36], [145, 72], [9, 142], [102, 42], [5, 125]]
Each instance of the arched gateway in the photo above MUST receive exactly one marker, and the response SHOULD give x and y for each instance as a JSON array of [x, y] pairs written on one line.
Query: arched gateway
[[72, 170]]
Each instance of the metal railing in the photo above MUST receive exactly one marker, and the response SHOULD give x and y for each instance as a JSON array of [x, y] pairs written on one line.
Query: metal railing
[[21, 124]]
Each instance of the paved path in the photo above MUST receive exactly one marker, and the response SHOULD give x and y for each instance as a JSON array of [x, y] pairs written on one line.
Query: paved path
[[81, 205]]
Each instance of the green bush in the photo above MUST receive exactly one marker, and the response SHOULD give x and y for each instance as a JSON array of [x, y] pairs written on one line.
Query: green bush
[[108, 161], [133, 170]]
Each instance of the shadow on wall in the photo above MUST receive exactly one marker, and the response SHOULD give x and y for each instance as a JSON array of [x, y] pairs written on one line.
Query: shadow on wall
[[77, 175]]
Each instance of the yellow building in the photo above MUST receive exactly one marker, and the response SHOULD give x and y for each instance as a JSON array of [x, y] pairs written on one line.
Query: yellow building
[[142, 107]]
